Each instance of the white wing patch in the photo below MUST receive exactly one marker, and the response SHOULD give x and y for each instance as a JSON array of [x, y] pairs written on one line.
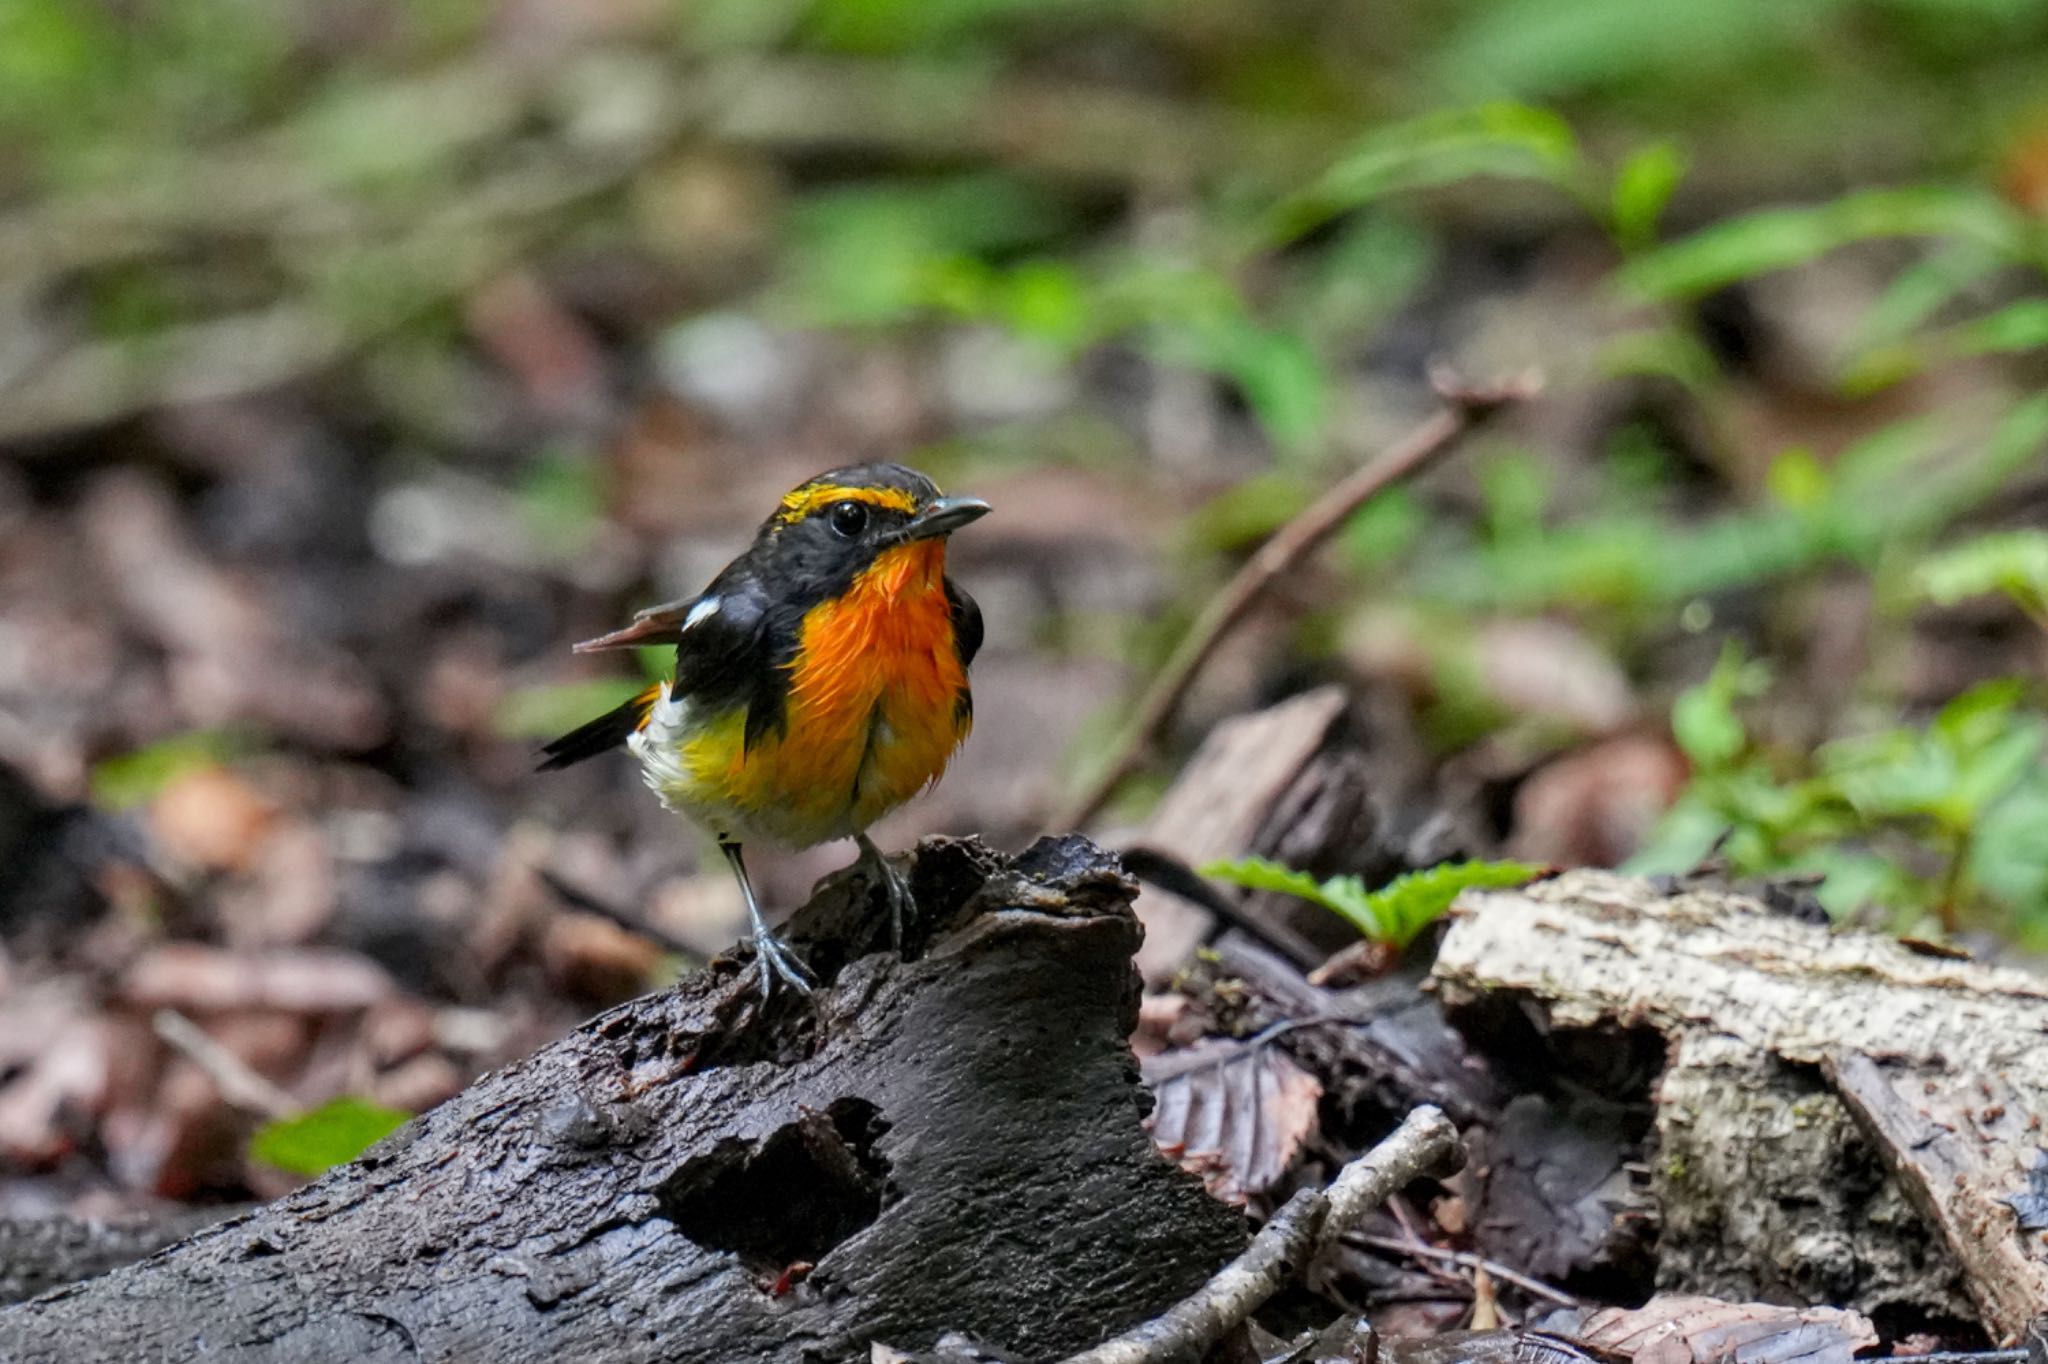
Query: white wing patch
[[704, 610]]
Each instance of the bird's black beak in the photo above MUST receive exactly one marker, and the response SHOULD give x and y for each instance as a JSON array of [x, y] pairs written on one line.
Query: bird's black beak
[[944, 516]]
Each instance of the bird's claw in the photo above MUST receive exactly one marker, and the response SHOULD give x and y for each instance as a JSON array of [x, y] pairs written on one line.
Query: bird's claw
[[774, 958], [895, 889], [897, 892]]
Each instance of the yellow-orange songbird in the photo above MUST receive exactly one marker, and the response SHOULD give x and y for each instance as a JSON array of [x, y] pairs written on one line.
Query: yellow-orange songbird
[[820, 680]]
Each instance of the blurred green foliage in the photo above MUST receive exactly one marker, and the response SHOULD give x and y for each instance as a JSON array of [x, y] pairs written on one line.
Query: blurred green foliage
[[127, 780], [1274, 199], [2013, 564], [1936, 824]]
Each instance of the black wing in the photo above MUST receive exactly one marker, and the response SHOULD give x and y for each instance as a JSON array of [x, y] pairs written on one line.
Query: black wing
[[966, 641], [721, 654], [966, 622]]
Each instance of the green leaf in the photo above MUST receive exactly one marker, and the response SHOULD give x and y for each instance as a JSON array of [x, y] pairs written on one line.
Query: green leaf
[[1703, 719], [2014, 563], [1993, 772], [1383, 530], [1976, 751], [1259, 873], [1502, 139], [1853, 881], [316, 1141], [1375, 265], [2009, 857], [1247, 512], [1281, 379], [1684, 835], [1516, 487], [1642, 188], [1047, 301], [1556, 48], [1393, 914], [869, 256], [1778, 238], [1798, 479], [1664, 353], [1921, 290], [1707, 727], [2016, 327], [131, 779]]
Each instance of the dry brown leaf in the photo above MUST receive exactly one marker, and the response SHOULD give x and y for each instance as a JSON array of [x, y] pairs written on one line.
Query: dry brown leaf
[[210, 818], [195, 979], [1485, 1302], [57, 1057], [1232, 1112], [1596, 805], [593, 958], [1683, 1329]]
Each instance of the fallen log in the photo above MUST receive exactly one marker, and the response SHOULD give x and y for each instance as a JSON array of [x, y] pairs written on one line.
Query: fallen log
[[39, 1254], [950, 1141], [1842, 1118]]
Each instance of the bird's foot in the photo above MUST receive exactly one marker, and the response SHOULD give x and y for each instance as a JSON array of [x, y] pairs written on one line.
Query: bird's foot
[[775, 958], [894, 886]]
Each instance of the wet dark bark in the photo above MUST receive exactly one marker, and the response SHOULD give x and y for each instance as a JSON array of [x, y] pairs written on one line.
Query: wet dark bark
[[39, 1254], [949, 1143]]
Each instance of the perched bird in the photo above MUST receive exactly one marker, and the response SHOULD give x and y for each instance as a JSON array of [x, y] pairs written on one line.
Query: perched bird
[[820, 680]]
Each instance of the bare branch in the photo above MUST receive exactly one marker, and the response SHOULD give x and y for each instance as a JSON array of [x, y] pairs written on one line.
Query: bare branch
[[1463, 409], [1312, 1221]]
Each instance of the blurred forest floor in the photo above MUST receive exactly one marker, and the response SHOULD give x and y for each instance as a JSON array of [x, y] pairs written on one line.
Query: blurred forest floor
[[355, 359]]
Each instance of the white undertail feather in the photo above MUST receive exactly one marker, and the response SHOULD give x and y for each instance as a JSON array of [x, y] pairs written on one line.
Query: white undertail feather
[[658, 744]]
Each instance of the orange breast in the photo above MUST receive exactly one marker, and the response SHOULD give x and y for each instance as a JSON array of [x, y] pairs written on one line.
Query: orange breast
[[876, 705]]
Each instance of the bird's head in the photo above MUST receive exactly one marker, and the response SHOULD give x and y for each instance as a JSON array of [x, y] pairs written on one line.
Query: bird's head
[[835, 527]]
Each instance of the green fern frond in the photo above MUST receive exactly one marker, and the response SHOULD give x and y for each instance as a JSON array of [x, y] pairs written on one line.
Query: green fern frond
[[1393, 914]]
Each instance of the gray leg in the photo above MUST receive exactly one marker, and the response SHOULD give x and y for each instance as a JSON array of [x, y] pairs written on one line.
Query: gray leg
[[771, 954], [894, 888]]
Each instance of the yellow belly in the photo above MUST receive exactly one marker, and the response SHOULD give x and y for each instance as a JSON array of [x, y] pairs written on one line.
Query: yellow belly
[[875, 708]]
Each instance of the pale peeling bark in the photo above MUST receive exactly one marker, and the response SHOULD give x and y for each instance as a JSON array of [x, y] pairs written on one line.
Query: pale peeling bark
[[1769, 1183]]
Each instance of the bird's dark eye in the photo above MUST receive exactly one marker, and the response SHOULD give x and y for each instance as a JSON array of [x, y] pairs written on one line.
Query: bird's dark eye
[[848, 519]]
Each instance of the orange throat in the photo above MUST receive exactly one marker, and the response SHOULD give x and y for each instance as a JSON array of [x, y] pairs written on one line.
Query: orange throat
[[877, 703]]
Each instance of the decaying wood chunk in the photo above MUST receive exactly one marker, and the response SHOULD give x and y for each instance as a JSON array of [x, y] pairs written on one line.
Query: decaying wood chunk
[[947, 1142], [1970, 1156], [1911, 1196]]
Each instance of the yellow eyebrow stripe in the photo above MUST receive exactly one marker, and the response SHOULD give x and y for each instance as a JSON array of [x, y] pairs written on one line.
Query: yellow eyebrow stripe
[[813, 496]]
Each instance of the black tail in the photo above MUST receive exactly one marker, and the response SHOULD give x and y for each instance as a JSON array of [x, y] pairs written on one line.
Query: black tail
[[601, 735]]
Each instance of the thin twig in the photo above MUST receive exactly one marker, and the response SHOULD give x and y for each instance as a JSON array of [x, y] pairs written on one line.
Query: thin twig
[[1463, 408], [1170, 873], [1293, 1237], [584, 903], [1465, 1259], [238, 1084]]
